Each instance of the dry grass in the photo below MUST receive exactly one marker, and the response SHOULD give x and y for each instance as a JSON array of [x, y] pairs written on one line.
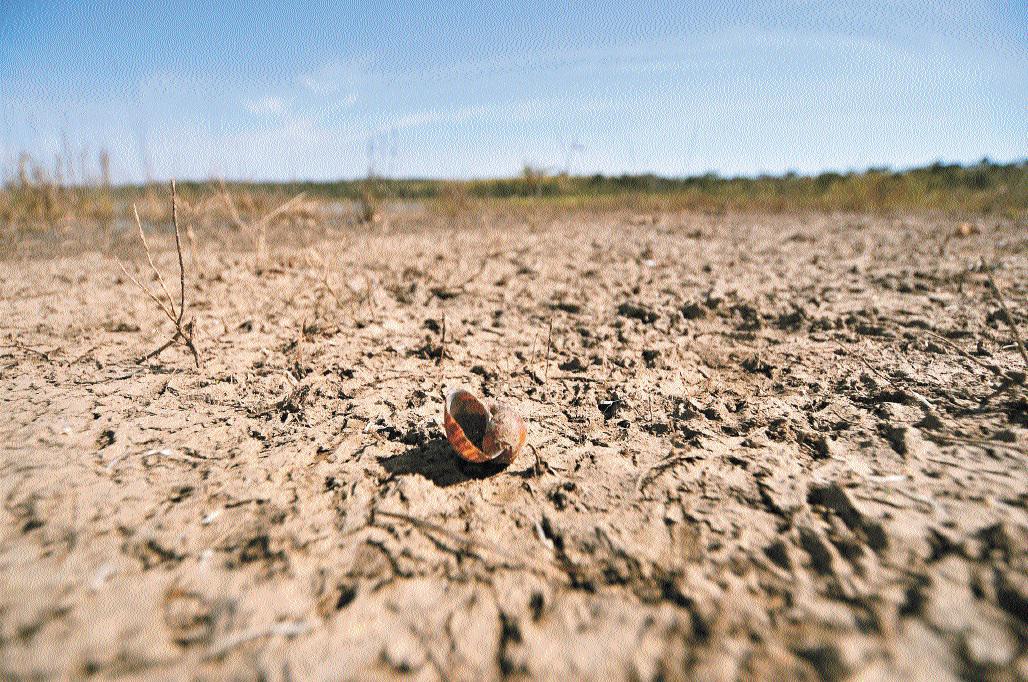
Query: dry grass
[[38, 196], [257, 229], [368, 206]]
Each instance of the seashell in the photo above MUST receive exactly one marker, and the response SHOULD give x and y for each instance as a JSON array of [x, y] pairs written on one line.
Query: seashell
[[482, 433]]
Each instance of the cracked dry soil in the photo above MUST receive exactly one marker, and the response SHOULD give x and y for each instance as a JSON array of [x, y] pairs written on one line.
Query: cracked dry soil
[[769, 447]]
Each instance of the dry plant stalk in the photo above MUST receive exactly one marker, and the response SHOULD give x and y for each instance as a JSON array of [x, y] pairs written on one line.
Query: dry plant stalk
[[442, 344], [368, 205], [183, 330], [549, 334], [315, 259], [258, 230]]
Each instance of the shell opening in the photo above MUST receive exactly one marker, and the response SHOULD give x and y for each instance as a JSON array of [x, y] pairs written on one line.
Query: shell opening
[[470, 417], [473, 424]]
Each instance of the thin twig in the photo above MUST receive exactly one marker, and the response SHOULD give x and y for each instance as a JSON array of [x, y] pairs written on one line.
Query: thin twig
[[178, 247], [281, 209], [285, 629], [940, 337], [549, 334], [925, 403], [1009, 319], [18, 345], [666, 463], [466, 545], [160, 304], [874, 370], [429, 653], [475, 275], [149, 258], [233, 213], [571, 377], [183, 330], [83, 355], [442, 343], [257, 226], [978, 442], [154, 353], [531, 361]]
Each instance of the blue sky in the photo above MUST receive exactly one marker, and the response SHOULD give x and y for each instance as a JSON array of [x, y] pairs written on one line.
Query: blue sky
[[311, 90]]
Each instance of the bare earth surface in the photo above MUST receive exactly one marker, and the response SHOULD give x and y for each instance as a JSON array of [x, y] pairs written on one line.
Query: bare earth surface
[[768, 447]]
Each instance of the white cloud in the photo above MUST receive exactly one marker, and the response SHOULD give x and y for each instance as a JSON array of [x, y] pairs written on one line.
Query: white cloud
[[428, 117], [265, 106], [336, 76], [522, 110]]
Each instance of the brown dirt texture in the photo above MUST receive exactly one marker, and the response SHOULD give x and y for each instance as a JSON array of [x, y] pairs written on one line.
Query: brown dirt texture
[[759, 447]]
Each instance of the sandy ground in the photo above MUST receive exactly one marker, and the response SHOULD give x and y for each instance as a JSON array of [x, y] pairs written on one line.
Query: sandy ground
[[760, 447]]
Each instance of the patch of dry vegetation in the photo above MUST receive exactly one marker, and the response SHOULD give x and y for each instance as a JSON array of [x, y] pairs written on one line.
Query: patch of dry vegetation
[[38, 195]]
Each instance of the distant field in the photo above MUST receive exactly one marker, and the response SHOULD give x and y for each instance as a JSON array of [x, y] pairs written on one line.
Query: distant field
[[37, 197], [984, 187]]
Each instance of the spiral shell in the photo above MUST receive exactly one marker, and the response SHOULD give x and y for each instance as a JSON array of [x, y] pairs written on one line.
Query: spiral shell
[[481, 433]]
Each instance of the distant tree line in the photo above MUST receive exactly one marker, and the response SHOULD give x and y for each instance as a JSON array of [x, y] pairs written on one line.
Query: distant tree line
[[39, 194], [982, 187]]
